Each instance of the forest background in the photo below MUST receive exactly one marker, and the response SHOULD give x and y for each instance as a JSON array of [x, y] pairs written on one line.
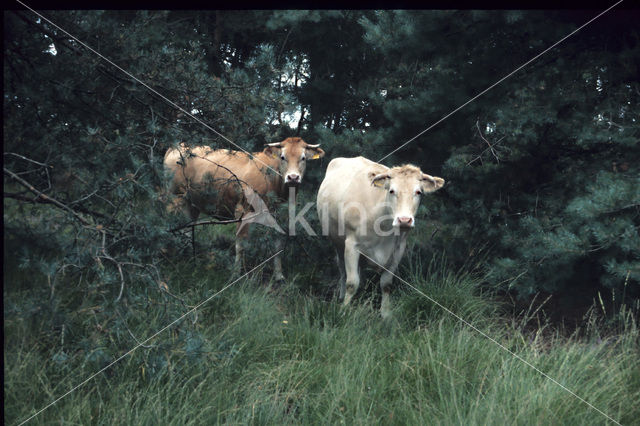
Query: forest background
[[542, 200]]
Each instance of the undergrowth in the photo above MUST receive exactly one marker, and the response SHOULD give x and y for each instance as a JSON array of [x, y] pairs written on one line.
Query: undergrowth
[[256, 355]]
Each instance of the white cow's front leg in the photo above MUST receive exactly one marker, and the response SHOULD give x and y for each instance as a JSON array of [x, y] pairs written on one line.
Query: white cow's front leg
[[340, 261], [387, 278], [277, 261], [351, 258], [385, 285]]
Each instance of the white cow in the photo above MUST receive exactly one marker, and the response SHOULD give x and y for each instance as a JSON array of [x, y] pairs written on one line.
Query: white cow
[[367, 208]]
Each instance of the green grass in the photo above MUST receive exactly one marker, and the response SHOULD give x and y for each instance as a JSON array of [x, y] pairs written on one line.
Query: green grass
[[258, 357]]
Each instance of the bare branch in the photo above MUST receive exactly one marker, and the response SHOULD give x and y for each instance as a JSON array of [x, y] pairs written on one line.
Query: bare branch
[[206, 222], [84, 198], [488, 143], [492, 147], [106, 256], [20, 196], [45, 197], [28, 159], [629, 206]]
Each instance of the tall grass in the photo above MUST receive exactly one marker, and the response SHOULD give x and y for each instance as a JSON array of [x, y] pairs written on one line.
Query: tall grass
[[258, 357]]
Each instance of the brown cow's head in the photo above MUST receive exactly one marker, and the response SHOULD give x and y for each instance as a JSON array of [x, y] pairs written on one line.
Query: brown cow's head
[[404, 186], [292, 155]]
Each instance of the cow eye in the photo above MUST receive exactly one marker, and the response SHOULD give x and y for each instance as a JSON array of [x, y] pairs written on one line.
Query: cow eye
[[302, 159], [418, 192], [391, 191], [282, 157]]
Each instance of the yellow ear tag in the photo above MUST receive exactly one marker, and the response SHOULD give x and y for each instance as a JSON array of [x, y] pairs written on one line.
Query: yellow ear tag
[[315, 156], [379, 183], [274, 155]]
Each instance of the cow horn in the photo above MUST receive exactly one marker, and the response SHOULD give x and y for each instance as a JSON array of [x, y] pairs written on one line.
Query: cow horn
[[313, 146], [275, 144]]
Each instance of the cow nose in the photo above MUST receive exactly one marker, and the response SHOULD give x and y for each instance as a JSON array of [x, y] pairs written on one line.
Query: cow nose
[[405, 221], [293, 177]]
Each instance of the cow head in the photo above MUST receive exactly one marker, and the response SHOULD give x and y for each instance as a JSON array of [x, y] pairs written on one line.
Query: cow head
[[292, 155], [404, 186]]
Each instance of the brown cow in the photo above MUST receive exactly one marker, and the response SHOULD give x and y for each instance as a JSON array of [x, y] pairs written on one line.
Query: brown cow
[[216, 181]]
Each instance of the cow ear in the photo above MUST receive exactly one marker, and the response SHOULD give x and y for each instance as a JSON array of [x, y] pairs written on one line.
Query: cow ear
[[381, 180], [313, 152], [272, 150], [431, 183]]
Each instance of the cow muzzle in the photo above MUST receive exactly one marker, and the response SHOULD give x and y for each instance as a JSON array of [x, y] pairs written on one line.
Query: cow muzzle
[[404, 221], [292, 179]]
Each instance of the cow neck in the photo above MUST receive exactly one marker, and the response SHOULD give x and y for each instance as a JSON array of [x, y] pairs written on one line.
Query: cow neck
[[383, 207], [276, 181]]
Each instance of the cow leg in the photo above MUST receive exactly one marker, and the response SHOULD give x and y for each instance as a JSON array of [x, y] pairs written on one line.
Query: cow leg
[[241, 238], [193, 214], [193, 241], [387, 277], [277, 261], [179, 203], [340, 262], [385, 286], [351, 258]]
